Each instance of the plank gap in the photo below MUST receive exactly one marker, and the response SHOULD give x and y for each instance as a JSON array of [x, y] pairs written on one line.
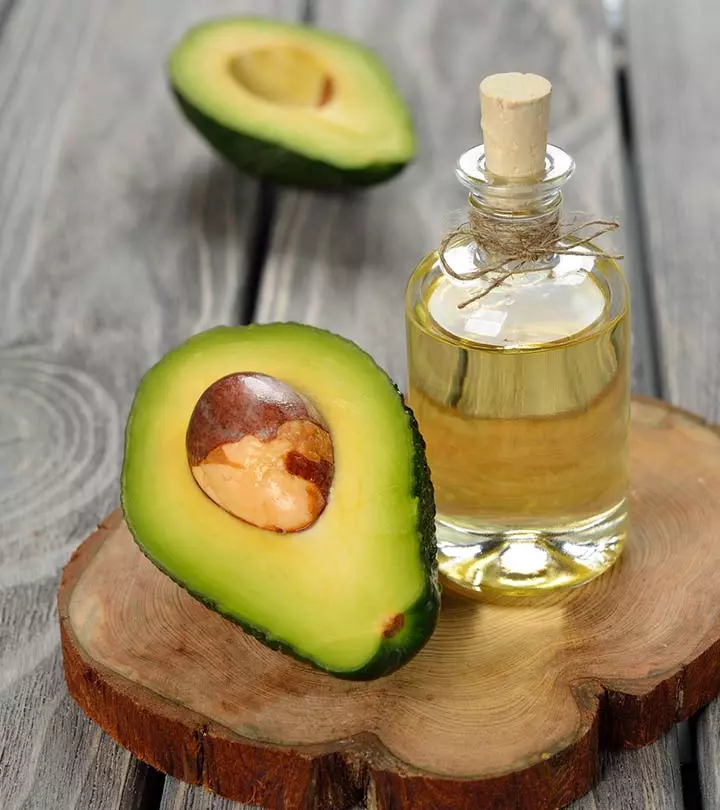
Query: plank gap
[[258, 249], [6, 9], [689, 768], [690, 779], [647, 346], [145, 792], [644, 315]]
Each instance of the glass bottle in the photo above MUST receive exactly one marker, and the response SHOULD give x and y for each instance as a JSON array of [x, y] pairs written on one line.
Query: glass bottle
[[522, 395]]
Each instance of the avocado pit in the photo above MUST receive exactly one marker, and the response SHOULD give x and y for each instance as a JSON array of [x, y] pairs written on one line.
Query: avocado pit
[[261, 451]]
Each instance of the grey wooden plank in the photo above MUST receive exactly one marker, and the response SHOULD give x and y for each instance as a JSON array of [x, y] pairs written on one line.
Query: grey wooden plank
[[6, 9], [708, 754], [674, 64], [178, 796], [104, 187], [342, 262], [96, 772], [647, 779], [120, 234], [646, 378]]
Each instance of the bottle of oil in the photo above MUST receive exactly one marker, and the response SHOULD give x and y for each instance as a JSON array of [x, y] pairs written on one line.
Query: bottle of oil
[[519, 372]]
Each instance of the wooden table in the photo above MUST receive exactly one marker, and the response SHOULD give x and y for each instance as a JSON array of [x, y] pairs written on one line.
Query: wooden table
[[121, 234]]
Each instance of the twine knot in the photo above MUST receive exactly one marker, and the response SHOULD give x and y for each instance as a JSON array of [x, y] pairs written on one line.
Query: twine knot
[[512, 246]]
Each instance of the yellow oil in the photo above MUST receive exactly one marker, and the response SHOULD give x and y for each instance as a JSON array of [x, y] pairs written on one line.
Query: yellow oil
[[526, 424]]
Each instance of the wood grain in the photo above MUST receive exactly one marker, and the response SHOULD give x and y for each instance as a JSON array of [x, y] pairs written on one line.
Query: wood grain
[[708, 754], [615, 663], [181, 796], [673, 61], [648, 778], [674, 66], [120, 234]]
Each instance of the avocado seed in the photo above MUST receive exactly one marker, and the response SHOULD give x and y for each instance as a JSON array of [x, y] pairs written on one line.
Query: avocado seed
[[261, 451]]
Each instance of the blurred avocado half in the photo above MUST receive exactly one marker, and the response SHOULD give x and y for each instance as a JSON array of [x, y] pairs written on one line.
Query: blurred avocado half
[[292, 104]]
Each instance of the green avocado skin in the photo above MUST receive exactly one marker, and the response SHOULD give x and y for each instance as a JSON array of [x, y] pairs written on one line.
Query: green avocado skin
[[420, 618], [274, 163]]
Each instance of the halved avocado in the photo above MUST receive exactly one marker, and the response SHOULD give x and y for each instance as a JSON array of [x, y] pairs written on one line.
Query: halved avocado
[[292, 103], [354, 592]]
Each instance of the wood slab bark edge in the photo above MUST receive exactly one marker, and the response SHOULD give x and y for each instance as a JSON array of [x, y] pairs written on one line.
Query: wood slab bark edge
[[351, 771]]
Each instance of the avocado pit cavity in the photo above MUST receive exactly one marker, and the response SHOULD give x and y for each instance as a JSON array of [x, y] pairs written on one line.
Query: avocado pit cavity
[[283, 75], [261, 451]]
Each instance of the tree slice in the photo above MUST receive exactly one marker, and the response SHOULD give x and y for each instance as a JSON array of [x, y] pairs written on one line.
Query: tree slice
[[505, 708]]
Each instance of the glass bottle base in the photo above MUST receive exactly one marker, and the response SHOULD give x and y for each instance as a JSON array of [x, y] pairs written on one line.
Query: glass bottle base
[[508, 560]]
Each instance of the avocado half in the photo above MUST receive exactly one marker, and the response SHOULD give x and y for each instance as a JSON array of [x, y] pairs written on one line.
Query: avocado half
[[291, 103], [355, 593]]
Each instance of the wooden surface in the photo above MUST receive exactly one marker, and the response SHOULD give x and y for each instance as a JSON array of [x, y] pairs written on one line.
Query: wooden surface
[[708, 751], [119, 236], [646, 779], [673, 62], [675, 47], [615, 663], [181, 796], [99, 211]]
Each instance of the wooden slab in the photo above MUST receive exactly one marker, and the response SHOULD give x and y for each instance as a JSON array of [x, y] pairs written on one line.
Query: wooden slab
[[508, 703]]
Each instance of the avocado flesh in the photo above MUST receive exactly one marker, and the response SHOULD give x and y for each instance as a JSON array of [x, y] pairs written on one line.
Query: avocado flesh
[[325, 594], [292, 103]]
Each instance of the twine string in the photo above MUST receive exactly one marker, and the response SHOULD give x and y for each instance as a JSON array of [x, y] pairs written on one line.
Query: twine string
[[518, 245]]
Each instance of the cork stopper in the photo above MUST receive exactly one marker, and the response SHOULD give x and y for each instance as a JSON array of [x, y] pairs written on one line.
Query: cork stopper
[[515, 108]]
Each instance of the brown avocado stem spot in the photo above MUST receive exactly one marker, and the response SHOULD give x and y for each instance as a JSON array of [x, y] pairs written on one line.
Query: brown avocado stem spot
[[394, 625], [328, 90], [261, 451]]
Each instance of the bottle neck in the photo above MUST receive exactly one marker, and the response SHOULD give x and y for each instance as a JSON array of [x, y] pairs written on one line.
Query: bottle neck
[[515, 196], [526, 212], [513, 222], [529, 230]]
